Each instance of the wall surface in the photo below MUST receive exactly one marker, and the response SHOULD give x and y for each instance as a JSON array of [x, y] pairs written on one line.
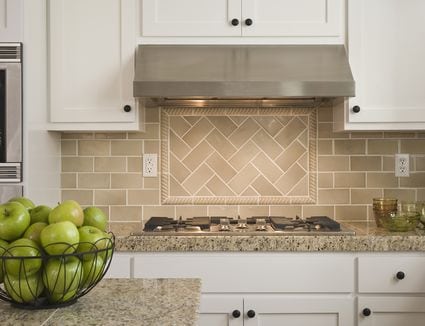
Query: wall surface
[[105, 169]]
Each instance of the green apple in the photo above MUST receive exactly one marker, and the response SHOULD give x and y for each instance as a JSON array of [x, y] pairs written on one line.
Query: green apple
[[29, 265], [91, 239], [3, 247], [33, 232], [92, 270], [14, 220], [61, 276], [68, 210], [94, 216], [62, 297], [40, 214], [60, 238], [24, 289], [24, 201]]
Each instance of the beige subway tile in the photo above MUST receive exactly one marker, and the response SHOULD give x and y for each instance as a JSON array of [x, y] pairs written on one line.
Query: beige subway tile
[[325, 114], [110, 197], [151, 132], [397, 134], [134, 164], [218, 187], [223, 210], [349, 146], [176, 189], [366, 163], [197, 132], [126, 147], [415, 180], [269, 123], [382, 146], [267, 144], [151, 183], [179, 125], [289, 133], [365, 196], [367, 134], [264, 187], [126, 213], [248, 211], [400, 194], [77, 135], [93, 147], [325, 130], [350, 180], [221, 144], [126, 180], [68, 180], [243, 132], [381, 180], [325, 147], [301, 188], [419, 163], [143, 197], [325, 180], [199, 154], [287, 211], [178, 147], [220, 166], [124, 228], [83, 197], [333, 163], [421, 194], [388, 163], [244, 155], [77, 164], [290, 179], [243, 179], [267, 167], [110, 135], [191, 211], [152, 114], [292, 154], [94, 180], [161, 211], [351, 213], [412, 146], [151, 147], [109, 164], [198, 178], [333, 196], [69, 147], [318, 210]]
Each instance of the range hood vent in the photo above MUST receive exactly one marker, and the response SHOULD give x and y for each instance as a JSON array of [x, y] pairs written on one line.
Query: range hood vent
[[242, 71]]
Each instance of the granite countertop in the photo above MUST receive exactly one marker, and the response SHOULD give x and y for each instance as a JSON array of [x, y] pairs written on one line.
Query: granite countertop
[[150, 302], [368, 238]]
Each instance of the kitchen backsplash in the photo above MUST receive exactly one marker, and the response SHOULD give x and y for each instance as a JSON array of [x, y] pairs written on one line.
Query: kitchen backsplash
[[105, 169]]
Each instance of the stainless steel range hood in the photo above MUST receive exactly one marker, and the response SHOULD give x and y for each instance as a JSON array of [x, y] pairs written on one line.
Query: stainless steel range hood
[[242, 71]]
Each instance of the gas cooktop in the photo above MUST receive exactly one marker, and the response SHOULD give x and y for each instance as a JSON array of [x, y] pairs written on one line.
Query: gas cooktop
[[255, 225]]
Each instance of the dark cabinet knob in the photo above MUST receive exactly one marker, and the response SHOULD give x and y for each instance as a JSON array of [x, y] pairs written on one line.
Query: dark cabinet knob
[[236, 313], [250, 313], [248, 22], [356, 109], [235, 22], [400, 275], [366, 312], [127, 108]]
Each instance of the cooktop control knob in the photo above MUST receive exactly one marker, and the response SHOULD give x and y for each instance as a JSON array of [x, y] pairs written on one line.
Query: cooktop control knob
[[250, 313], [236, 313]]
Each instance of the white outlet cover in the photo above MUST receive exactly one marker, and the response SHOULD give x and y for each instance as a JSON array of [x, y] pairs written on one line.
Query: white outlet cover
[[402, 165], [150, 165]]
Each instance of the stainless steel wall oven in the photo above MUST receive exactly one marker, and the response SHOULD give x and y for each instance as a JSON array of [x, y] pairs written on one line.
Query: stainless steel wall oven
[[10, 119]]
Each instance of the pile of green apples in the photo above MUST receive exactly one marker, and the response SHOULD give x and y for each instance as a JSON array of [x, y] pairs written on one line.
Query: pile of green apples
[[52, 253]]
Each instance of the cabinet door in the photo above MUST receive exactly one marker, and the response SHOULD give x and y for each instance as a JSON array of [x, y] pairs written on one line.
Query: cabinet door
[[11, 20], [217, 310], [386, 58], [292, 17], [391, 311], [271, 310], [120, 266], [190, 17], [91, 51]]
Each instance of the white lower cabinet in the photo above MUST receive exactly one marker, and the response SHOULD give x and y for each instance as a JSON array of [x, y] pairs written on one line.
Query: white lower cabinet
[[221, 309], [121, 266]]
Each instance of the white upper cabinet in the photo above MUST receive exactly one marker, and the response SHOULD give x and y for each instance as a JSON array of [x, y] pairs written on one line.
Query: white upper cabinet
[[224, 18], [386, 51], [11, 20], [91, 64]]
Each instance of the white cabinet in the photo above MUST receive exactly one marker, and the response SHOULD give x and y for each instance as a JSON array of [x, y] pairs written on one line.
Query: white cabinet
[[120, 266], [11, 13], [221, 310], [91, 64], [223, 18], [386, 57]]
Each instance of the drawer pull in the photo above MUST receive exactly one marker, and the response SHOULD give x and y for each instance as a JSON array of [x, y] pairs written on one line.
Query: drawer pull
[[236, 313], [250, 313], [366, 312], [400, 275]]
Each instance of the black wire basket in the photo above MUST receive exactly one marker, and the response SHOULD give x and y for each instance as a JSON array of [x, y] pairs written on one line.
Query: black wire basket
[[42, 281]]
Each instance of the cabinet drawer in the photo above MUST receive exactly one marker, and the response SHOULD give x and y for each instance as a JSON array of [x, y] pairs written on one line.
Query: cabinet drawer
[[391, 275]]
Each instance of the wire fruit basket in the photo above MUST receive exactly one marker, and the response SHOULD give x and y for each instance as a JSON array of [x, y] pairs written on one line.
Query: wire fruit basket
[[41, 281]]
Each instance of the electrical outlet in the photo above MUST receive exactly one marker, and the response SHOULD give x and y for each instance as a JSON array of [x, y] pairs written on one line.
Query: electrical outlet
[[402, 165], [150, 165]]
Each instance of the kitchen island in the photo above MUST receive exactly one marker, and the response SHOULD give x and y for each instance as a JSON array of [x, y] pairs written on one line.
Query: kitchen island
[[147, 302]]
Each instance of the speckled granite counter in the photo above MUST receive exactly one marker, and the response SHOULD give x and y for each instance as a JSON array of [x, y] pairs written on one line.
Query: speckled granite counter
[[150, 302], [368, 238]]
